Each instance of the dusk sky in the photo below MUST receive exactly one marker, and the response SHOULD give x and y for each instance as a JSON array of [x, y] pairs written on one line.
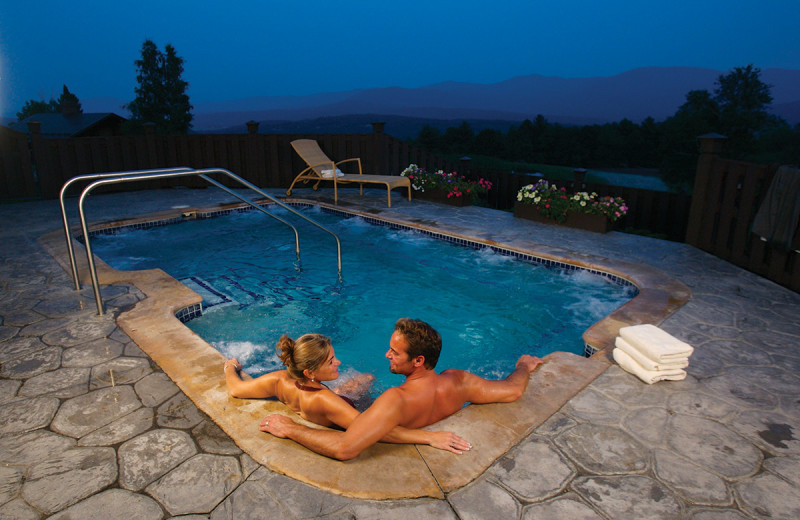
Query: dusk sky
[[243, 49]]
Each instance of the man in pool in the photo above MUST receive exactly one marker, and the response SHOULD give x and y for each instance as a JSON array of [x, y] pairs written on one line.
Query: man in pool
[[425, 397]]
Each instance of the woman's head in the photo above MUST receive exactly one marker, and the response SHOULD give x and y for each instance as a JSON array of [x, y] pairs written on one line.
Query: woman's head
[[309, 354]]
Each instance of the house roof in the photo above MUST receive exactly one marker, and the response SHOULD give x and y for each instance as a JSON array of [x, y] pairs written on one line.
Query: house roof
[[59, 125]]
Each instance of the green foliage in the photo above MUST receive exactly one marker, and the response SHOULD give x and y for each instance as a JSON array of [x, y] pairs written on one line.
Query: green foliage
[[161, 97], [33, 106], [743, 100], [736, 109]]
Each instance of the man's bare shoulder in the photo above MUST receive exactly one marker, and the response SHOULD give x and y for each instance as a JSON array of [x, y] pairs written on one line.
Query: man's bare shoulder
[[458, 376]]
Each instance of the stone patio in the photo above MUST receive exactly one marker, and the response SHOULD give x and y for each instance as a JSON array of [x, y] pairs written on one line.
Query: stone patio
[[92, 428]]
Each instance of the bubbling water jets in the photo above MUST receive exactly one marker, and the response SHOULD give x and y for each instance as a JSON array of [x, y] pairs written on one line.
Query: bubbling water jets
[[256, 357]]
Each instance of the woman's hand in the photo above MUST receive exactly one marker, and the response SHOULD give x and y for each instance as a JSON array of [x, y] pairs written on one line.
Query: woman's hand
[[232, 362], [448, 441]]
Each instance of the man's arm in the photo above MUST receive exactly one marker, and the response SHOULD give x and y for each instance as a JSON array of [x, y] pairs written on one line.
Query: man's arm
[[339, 412], [482, 391], [447, 441], [367, 429]]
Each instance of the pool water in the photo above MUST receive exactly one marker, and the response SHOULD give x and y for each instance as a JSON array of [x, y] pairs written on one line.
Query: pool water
[[489, 308]]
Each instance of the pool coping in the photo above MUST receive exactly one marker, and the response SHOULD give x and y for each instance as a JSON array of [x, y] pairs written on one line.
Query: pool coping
[[492, 429]]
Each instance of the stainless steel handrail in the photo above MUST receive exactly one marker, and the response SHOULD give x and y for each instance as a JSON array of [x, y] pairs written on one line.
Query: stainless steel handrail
[[73, 180], [259, 208], [281, 204], [200, 173]]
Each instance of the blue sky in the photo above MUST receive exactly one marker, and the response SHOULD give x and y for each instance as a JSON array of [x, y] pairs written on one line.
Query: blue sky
[[243, 49]]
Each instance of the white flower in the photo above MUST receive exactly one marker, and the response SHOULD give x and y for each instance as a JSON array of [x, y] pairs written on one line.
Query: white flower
[[519, 197]]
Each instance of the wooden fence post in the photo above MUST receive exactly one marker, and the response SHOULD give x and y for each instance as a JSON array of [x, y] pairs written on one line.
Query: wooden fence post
[[379, 149], [710, 147], [49, 184]]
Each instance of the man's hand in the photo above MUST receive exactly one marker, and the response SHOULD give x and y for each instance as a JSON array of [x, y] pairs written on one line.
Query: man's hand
[[448, 441], [277, 424], [529, 363]]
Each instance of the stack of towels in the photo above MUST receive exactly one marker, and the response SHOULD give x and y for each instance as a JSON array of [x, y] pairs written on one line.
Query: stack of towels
[[651, 354]]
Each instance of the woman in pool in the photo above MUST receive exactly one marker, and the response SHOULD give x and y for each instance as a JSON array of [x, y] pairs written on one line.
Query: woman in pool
[[309, 361]]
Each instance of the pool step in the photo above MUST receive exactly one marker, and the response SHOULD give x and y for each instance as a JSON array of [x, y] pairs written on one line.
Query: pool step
[[212, 297]]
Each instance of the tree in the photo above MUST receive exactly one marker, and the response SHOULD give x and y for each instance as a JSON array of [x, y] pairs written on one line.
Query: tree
[[33, 107], [699, 115], [67, 100], [69, 103], [743, 100], [490, 143], [429, 138], [161, 96], [458, 139]]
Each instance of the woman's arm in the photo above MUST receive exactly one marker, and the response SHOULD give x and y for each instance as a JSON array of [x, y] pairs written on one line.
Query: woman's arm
[[259, 388]]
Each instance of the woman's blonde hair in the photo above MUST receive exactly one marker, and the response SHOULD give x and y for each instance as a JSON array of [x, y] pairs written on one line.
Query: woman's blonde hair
[[308, 352]]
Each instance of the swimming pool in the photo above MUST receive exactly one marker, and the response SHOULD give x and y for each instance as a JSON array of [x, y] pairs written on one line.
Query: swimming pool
[[490, 307]]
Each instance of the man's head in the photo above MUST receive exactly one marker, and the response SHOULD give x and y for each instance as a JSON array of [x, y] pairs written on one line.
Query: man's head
[[421, 340]]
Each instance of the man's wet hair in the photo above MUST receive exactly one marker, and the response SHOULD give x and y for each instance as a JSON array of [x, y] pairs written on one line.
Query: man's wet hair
[[423, 340]]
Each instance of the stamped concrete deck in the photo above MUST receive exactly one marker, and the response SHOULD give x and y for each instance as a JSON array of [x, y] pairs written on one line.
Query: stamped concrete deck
[[91, 427]]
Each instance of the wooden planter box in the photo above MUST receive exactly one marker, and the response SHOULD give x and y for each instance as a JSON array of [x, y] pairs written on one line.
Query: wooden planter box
[[590, 222], [441, 197]]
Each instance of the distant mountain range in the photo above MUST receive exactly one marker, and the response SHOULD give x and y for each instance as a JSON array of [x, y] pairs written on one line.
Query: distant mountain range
[[655, 92]]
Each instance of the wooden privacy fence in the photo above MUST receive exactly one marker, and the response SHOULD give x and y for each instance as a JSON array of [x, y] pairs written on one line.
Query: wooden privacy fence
[[16, 170], [727, 195], [37, 167]]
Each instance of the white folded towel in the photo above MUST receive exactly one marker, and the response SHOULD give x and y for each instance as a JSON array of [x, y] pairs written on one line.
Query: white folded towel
[[328, 174], [648, 376], [655, 343], [646, 362]]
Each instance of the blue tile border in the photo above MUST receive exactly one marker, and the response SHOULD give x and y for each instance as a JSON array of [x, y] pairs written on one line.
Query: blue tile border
[[194, 311], [552, 264], [149, 224]]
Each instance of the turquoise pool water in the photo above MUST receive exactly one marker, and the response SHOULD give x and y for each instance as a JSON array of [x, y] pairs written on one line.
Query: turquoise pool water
[[489, 307]]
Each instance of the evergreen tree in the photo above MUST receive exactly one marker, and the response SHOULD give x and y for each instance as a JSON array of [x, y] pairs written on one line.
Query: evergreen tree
[[69, 103], [161, 96], [743, 100]]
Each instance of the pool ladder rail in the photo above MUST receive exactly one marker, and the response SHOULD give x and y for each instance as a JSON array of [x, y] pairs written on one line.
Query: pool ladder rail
[[103, 179]]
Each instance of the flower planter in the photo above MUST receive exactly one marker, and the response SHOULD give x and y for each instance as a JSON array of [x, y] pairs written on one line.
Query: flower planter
[[441, 196], [588, 221]]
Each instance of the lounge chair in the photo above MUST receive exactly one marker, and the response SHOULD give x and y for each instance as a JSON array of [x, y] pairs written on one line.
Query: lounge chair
[[321, 168]]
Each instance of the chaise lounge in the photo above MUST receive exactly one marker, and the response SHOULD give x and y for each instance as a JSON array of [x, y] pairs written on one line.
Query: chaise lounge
[[321, 168]]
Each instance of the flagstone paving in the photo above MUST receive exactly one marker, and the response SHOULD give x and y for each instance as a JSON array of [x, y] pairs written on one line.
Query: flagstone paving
[[91, 428]]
